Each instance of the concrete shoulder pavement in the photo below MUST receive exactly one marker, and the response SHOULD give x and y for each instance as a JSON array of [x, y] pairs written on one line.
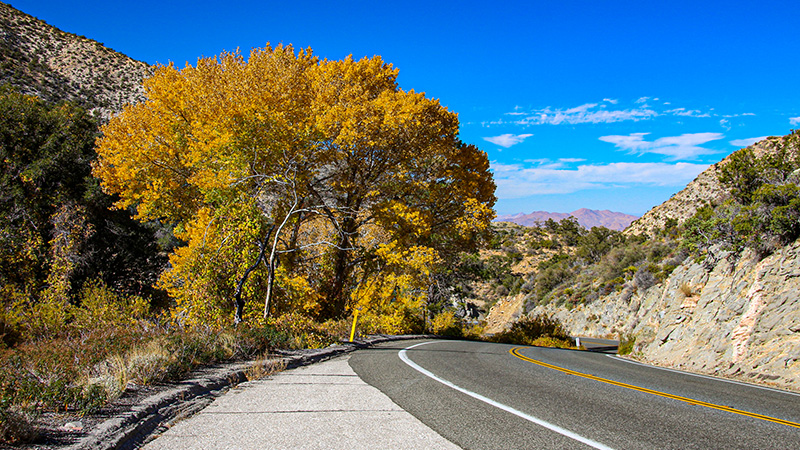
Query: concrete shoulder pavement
[[320, 406]]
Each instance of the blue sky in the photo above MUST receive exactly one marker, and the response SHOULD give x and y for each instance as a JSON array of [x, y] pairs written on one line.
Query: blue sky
[[598, 104]]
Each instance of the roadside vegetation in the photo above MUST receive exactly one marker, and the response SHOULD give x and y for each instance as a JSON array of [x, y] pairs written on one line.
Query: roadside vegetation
[[540, 331], [133, 252]]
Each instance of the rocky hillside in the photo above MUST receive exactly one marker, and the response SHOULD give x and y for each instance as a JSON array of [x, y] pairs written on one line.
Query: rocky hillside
[[739, 319], [698, 294], [42, 60], [588, 218], [702, 190]]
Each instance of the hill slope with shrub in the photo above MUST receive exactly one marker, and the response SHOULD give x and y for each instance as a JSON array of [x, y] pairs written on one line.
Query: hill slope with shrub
[[705, 282], [39, 59]]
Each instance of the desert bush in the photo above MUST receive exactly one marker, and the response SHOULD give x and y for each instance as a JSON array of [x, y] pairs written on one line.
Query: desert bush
[[547, 341], [501, 291], [528, 286], [16, 427], [446, 324], [303, 332], [82, 370], [256, 339], [264, 367], [626, 345], [102, 307], [549, 279], [528, 329], [30, 389], [763, 208], [643, 278]]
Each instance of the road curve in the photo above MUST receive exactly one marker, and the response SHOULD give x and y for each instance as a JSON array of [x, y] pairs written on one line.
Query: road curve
[[576, 399]]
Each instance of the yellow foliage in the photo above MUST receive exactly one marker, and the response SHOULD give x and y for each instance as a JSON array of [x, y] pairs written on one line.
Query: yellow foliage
[[203, 273], [332, 156], [300, 295], [416, 260], [101, 307], [476, 217], [304, 332]]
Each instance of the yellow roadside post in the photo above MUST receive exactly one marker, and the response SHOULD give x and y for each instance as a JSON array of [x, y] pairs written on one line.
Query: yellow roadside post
[[353, 329]]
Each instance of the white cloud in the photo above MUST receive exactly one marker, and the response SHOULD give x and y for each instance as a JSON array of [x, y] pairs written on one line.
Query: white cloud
[[517, 181], [685, 146], [794, 121], [586, 113], [608, 111], [687, 112], [725, 123], [747, 142], [507, 140]]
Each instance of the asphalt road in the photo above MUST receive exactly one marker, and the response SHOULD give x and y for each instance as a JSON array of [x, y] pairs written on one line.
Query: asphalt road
[[599, 345], [485, 397]]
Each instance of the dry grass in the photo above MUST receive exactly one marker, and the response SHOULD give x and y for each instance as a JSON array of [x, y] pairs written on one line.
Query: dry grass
[[686, 290], [264, 367], [548, 341]]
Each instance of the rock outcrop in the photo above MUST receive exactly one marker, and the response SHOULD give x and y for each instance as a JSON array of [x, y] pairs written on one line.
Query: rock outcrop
[[41, 60], [739, 318]]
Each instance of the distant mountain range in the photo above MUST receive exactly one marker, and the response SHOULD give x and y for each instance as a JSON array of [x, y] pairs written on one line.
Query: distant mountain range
[[588, 218]]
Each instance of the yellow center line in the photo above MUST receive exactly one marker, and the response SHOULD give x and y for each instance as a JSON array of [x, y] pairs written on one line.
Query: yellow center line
[[516, 352]]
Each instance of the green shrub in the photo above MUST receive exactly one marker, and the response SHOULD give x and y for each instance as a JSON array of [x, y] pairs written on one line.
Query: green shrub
[[528, 329], [763, 211], [626, 345]]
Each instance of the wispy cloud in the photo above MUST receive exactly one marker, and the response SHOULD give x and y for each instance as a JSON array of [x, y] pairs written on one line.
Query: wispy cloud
[[586, 113], [547, 163], [507, 140], [794, 121], [687, 112], [517, 181], [609, 111], [683, 147], [747, 142]]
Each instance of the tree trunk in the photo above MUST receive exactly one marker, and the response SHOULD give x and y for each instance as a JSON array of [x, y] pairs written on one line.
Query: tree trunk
[[237, 295], [336, 299], [273, 259]]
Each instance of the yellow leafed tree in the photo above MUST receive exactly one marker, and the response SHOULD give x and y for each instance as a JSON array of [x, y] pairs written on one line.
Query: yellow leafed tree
[[293, 181]]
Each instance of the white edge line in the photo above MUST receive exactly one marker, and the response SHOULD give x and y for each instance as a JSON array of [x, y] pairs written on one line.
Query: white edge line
[[516, 412], [709, 377]]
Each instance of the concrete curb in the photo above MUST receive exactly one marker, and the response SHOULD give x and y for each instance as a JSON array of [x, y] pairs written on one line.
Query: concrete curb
[[130, 429]]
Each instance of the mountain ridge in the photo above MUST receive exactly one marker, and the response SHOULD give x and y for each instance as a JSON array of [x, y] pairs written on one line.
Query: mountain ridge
[[39, 59], [587, 218]]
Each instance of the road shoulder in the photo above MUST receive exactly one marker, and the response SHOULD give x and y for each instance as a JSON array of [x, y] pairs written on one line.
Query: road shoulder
[[321, 406]]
